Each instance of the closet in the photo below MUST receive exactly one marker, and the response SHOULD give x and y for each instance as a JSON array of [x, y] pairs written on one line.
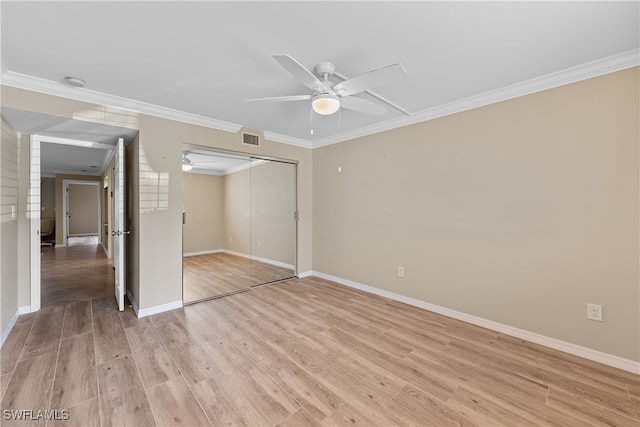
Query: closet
[[239, 222]]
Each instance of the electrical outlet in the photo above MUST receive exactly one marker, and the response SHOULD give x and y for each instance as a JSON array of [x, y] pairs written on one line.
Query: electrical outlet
[[594, 312], [400, 271]]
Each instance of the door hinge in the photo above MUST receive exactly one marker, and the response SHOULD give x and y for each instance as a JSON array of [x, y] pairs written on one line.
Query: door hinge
[[296, 215]]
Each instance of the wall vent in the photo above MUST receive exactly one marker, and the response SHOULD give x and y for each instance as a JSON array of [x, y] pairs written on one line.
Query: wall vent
[[250, 139]]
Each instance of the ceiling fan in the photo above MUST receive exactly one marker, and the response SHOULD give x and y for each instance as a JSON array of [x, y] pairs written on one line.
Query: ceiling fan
[[328, 97]]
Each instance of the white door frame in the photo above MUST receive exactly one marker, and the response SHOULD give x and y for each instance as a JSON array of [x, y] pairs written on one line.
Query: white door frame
[[118, 217], [65, 204], [34, 206], [33, 213]]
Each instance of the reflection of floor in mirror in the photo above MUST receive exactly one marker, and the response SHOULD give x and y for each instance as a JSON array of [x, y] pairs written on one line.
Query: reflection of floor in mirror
[[210, 275]]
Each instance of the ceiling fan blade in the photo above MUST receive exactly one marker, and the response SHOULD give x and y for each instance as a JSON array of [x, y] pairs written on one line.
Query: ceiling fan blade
[[283, 98], [369, 80], [298, 71], [362, 106]]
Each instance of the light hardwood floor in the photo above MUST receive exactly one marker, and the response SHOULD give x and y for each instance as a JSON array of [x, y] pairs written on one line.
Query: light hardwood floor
[[211, 275], [298, 353], [78, 272]]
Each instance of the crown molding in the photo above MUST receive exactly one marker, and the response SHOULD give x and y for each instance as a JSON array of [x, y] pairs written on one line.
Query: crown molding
[[284, 139], [585, 71], [35, 84]]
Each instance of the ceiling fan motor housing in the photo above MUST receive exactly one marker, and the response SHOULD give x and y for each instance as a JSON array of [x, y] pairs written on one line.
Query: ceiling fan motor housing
[[325, 69]]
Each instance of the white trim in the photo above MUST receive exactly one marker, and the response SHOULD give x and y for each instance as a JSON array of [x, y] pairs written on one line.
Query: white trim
[[23, 81], [305, 274], [212, 251], [74, 142], [576, 350], [257, 258], [610, 64], [152, 310], [285, 139], [585, 71], [273, 262], [12, 323], [159, 309]]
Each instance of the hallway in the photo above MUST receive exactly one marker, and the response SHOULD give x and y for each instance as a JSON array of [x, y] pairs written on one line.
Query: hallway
[[75, 273]]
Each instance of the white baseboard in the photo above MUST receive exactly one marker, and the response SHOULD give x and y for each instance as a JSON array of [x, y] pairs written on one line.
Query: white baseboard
[[212, 251], [305, 274], [12, 323], [265, 260], [152, 310], [576, 350], [144, 312]]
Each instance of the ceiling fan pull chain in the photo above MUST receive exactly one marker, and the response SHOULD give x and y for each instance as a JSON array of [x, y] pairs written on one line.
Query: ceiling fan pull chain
[[340, 141]]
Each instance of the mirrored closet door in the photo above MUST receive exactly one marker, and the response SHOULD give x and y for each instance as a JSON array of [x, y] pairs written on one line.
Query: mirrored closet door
[[239, 226], [273, 220]]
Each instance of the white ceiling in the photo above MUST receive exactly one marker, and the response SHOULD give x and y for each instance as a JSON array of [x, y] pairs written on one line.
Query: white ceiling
[[68, 146], [205, 59]]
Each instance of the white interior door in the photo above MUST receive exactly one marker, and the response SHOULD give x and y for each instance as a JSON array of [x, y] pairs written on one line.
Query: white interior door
[[118, 232]]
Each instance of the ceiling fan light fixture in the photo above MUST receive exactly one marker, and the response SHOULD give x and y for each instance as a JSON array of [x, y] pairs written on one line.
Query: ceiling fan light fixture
[[325, 104], [186, 164]]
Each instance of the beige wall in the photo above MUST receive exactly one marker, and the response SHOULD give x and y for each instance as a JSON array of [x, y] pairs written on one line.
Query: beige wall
[[83, 209], [24, 223], [9, 161], [273, 189], [237, 211], [259, 204], [521, 212], [48, 198], [203, 205]]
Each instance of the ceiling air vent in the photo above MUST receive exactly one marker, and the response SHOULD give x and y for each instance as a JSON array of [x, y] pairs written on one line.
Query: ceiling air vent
[[250, 139]]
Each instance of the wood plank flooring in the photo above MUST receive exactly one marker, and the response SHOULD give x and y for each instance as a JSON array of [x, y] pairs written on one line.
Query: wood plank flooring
[[211, 275], [303, 352], [75, 273]]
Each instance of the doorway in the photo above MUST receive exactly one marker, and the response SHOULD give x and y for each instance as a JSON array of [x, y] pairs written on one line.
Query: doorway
[[82, 204], [239, 222], [66, 272]]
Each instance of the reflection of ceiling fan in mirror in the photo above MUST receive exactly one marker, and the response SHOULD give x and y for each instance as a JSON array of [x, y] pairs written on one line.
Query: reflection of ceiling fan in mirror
[[328, 97]]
